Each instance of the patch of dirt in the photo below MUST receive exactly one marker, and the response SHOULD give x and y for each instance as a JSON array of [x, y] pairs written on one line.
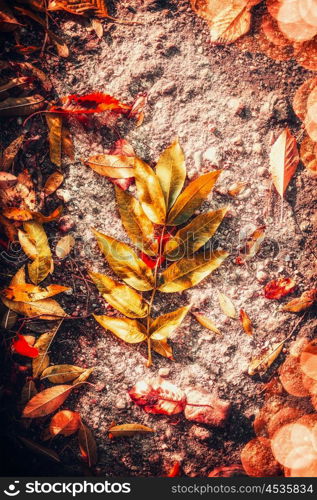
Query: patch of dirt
[[225, 106]]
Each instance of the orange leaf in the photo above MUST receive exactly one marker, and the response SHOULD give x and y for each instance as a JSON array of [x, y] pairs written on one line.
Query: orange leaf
[[284, 159], [87, 445], [47, 401], [65, 422], [246, 322]]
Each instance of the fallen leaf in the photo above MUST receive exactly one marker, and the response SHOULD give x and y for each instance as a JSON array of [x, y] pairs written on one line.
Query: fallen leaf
[[227, 305], [206, 322], [125, 263], [190, 271], [251, 245], [120, 296], [277, 289], [263, 363], [80, 7], [47, 401], [42, 344], [192, 237], [39, 449], [138, 227], [306, 300], [83, 376], [158, 396], [206, 408], [163, 326], [171, 171], [191, 198], [9, 320], [149, 192], [129, 330], [163, 348], [90, 103], [27, 246], [87, 445], [246, 322], [64, 246], [284, 160], [21, 347], [174, 470], [32, 293], [114, 166], [60, 374], [55, 123], [127, 430], [7, 180], [64, 423], [42, 264], [52, 183], [9, 154], [21, 106]]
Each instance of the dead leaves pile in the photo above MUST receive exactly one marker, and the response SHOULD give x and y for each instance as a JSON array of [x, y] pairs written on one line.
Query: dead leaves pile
[[157, 223], [281, 29], [286, 433]]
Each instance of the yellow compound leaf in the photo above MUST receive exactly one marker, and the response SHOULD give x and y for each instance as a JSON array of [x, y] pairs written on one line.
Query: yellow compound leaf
[[171, 172], [149, 192], [138, 227], [129, 330], [163, 326], [190, 271], [191, 198], [125, 263], [120, 296]]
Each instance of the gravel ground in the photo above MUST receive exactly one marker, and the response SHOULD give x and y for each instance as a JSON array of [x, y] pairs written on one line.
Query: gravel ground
[[225, 106]]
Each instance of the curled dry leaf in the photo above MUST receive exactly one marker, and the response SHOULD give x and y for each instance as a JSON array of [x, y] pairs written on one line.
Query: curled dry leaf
[[262, 364], [206, 322], [158, 396], [284, 159], [127, 430], [246, 322], [64, 246], [120, 296], [21, 346], [279, 288], [65, 422], [205, 408], [227, 306], [87, 445], [306, 300], [47, 401], [60, 374], [53, 182]]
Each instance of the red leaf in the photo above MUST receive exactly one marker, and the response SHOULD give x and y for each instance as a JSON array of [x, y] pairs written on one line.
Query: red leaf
[[277, 289], [151, 263], [158, 396], [90, 103], [21, 346]]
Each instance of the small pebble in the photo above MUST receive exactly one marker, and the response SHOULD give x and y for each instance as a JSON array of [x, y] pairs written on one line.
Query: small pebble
[[164, 372]]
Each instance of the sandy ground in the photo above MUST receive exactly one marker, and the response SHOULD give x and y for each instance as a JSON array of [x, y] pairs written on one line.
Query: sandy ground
[[224, 106]]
